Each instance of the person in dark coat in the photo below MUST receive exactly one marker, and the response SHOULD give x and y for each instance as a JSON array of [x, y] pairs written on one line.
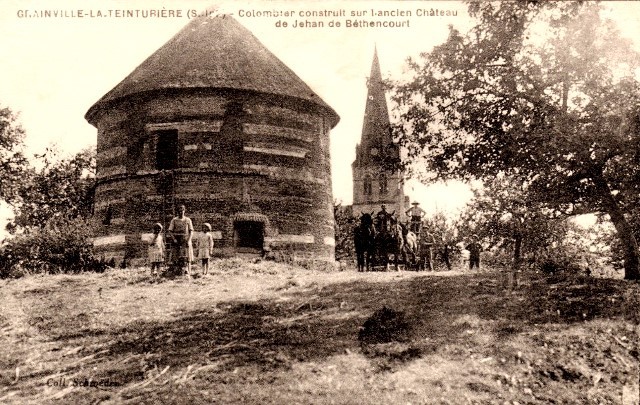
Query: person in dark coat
[[474, 249], [381, 218]]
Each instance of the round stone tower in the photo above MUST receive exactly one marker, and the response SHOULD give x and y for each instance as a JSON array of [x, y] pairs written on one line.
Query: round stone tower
[[214, 121]]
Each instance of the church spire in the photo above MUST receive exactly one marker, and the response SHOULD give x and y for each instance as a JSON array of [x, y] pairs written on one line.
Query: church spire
[[376, 179], [376, 128]]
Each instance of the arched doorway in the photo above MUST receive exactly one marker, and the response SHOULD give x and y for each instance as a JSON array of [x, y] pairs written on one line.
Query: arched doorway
[[248, 232]]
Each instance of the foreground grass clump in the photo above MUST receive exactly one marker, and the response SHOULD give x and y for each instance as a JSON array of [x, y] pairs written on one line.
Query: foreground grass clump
[[272, 333]]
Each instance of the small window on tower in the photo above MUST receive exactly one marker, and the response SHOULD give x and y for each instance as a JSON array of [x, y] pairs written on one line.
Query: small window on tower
[[367, 185], [167, 150], [383, 184]]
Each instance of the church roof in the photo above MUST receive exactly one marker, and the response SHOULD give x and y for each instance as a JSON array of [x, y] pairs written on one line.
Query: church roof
[[376, 128], [214, 52]]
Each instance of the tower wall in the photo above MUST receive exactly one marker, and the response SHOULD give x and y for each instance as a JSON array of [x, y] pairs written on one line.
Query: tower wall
[[241, 157], [394, 198]]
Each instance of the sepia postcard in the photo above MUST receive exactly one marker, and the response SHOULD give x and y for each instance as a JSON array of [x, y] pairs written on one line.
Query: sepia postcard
[[227, 157]]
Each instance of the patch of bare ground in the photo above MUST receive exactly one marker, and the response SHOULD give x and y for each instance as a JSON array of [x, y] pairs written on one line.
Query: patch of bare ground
[[269, 333]]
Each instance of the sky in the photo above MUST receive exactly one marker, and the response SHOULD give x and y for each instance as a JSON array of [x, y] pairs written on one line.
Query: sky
[[55, 68]]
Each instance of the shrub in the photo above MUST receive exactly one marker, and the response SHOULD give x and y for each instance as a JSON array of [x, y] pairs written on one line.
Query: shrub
[[61, 247], [344, 224], [498, 259], [570, 261]]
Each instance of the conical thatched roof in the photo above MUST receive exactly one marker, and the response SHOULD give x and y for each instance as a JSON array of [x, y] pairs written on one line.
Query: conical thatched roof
[[214, 52]]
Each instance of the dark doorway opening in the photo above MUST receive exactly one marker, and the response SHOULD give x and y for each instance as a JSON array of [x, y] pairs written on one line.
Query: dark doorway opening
[[167, 150], [249, 236]]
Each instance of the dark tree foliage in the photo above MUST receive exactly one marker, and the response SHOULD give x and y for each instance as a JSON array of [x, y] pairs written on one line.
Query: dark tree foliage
[[344, 224], [543, 91], [63, 246], [52, 227], [502, 215], [12, 160], [60, 190]]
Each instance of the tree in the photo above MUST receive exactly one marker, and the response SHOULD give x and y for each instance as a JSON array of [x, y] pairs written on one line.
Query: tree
[[61, 190], [12, 160], [344, 223], [539, 90], [445, 235], [52, 226], [503, 212]]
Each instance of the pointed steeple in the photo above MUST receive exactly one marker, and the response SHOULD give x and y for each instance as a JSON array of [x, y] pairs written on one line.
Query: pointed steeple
[[376, 180], [376, 128]]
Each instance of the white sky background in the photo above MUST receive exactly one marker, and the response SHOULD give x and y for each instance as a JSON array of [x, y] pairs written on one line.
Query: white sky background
[[54, 69]]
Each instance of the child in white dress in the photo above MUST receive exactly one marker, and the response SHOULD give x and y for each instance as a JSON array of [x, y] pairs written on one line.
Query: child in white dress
[[205, 247], [156, 249]]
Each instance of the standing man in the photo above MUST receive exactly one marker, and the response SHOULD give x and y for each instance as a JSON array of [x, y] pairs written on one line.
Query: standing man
[[474, 249], [428, 241], [416, 213], [381, 218], [181, 231]]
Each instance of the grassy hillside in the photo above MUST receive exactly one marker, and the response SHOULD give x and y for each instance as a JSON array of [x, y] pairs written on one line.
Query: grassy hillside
[[270, 333]]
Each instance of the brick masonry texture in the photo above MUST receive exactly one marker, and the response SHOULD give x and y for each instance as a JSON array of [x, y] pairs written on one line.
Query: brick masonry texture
[[221, 177], [394, 198]]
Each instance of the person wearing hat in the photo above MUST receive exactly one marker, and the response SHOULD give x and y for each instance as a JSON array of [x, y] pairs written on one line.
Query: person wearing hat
[[156, 249], [205, 247], [416, 213], [382, 218]]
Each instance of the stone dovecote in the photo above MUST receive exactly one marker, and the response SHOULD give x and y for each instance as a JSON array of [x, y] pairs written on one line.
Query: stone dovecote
[[213, 120]]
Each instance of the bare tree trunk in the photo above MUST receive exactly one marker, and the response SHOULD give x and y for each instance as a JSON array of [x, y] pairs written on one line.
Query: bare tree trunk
[[446, 256], [517, 248], [517, 251], [623, 229], [629, 244]]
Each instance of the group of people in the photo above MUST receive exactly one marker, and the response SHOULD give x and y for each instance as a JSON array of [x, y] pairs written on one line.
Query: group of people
[[416, 215], [180, 236]]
